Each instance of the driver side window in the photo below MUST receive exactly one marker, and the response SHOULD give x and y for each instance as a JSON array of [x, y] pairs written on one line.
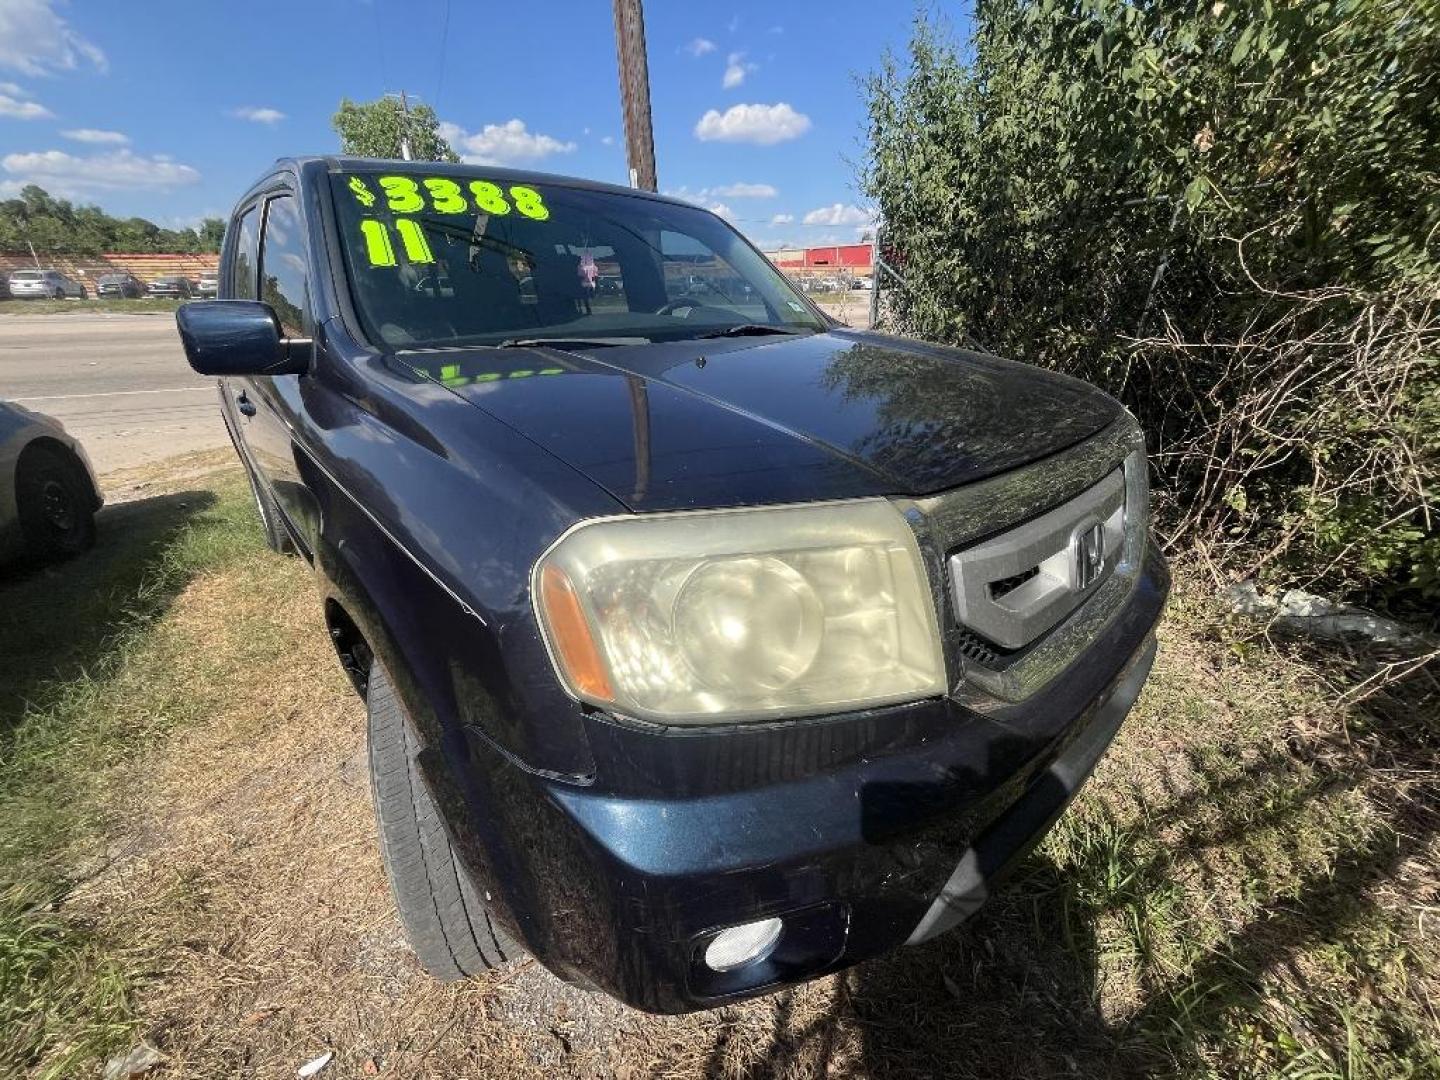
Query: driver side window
[[696, 273]]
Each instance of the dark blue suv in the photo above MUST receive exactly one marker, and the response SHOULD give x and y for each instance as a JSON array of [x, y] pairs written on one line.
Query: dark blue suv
[[708, 645]]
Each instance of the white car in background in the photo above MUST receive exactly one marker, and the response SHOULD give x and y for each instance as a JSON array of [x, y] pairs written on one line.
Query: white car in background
[[48, 491], [44, 284]]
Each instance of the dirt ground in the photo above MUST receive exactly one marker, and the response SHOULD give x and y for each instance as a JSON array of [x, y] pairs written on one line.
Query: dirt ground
[[852, 308]]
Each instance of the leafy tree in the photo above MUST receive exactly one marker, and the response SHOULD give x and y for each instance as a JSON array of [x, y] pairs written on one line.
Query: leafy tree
[[1226, 213], [56, 226], [374, 129], [212, 233]]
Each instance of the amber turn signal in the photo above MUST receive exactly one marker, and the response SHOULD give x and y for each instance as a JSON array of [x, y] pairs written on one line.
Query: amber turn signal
[[570, 636]]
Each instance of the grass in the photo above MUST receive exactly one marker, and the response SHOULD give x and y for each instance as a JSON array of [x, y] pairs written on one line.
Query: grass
[[1248, 887], [117, 306], [84, 647]]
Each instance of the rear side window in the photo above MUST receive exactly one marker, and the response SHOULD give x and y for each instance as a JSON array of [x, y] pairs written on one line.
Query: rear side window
[[283, 276], [242, 265]]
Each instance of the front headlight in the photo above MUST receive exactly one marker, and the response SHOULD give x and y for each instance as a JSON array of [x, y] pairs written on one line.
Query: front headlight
[[719, 616]]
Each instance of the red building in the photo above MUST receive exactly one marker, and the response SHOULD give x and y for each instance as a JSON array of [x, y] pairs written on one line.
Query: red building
[[852, 257]]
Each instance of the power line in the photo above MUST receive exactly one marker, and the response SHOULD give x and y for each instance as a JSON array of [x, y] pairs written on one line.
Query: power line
[[444, 41], [379, 41]]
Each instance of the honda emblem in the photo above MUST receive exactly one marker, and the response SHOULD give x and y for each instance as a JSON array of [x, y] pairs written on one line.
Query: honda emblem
[[1088, 550]]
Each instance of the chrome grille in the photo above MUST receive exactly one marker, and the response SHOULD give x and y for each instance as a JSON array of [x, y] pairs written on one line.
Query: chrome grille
[[1063, 555], [1029, 566]]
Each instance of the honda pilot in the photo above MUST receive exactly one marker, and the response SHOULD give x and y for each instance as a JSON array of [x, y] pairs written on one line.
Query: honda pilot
[[708, 645]]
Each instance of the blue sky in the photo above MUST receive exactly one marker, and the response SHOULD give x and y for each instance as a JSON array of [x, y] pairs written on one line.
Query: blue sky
[[169, 110]]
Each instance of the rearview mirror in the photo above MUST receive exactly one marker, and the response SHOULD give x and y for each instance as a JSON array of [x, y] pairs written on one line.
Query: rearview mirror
[[239, 337]]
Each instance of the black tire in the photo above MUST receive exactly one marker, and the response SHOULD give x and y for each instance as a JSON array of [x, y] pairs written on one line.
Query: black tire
[[56, 504], [446, 921]]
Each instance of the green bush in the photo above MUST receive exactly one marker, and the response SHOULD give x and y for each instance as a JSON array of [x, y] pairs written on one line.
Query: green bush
[[1229, 216]]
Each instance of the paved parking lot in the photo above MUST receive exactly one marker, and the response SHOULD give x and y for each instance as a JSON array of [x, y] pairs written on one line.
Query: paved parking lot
[[119, 383]]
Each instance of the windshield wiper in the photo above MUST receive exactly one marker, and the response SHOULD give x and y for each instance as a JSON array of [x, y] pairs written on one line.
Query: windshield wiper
[[747, 330], [569, 342]]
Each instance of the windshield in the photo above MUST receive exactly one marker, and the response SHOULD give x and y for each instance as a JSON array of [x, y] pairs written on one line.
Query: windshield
[[27, 275], [459, 259]]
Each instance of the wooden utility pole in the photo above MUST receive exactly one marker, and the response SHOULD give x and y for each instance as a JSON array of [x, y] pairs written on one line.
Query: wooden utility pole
[[635, 93]]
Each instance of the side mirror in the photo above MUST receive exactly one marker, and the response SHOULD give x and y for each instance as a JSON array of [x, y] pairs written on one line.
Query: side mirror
[[239, 337]]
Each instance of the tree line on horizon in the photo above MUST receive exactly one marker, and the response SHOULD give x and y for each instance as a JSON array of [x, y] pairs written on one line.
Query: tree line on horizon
[[59, 227]]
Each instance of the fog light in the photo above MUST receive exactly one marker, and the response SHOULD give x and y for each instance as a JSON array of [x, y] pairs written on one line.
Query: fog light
[[743, 944]]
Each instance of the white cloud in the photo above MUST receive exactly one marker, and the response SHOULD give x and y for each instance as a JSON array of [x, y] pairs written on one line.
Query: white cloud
[[710, 198], [258, 115], [12, 89], [66, 174], [95, 135], [839, 214], [782, 219], [503, 144], [36, 41], [762, 124], [735, 70], [700, 46], [745, 191], [16, 109], [607, 140]]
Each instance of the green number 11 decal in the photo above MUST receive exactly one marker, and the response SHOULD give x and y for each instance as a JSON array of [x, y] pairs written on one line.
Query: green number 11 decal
[[381, 251]]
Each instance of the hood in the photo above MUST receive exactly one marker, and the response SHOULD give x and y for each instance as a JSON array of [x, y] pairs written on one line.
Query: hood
[[752, 421]]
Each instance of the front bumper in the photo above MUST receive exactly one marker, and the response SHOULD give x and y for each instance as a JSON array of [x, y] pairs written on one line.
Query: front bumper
[[862, 832]]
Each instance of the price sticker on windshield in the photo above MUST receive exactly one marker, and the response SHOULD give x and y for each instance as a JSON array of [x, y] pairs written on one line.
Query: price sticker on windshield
[[443, 195]]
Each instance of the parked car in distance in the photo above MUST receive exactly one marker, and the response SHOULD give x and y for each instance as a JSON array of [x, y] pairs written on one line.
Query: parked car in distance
[[48, 491], [172, 285], [207, 286], [707, 645], [44, 284], [125, 286]]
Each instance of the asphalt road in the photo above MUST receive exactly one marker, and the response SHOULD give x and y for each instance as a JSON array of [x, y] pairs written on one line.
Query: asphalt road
[[119, 383]]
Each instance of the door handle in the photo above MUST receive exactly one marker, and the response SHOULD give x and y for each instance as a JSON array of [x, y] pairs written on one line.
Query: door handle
[[245, 405]]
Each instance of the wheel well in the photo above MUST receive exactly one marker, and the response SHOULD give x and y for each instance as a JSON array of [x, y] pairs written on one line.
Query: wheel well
[[350, 646], [45, 444]]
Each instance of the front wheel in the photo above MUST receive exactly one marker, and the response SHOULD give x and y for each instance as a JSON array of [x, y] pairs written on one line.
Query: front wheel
[[446, 920], [57, 507]]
